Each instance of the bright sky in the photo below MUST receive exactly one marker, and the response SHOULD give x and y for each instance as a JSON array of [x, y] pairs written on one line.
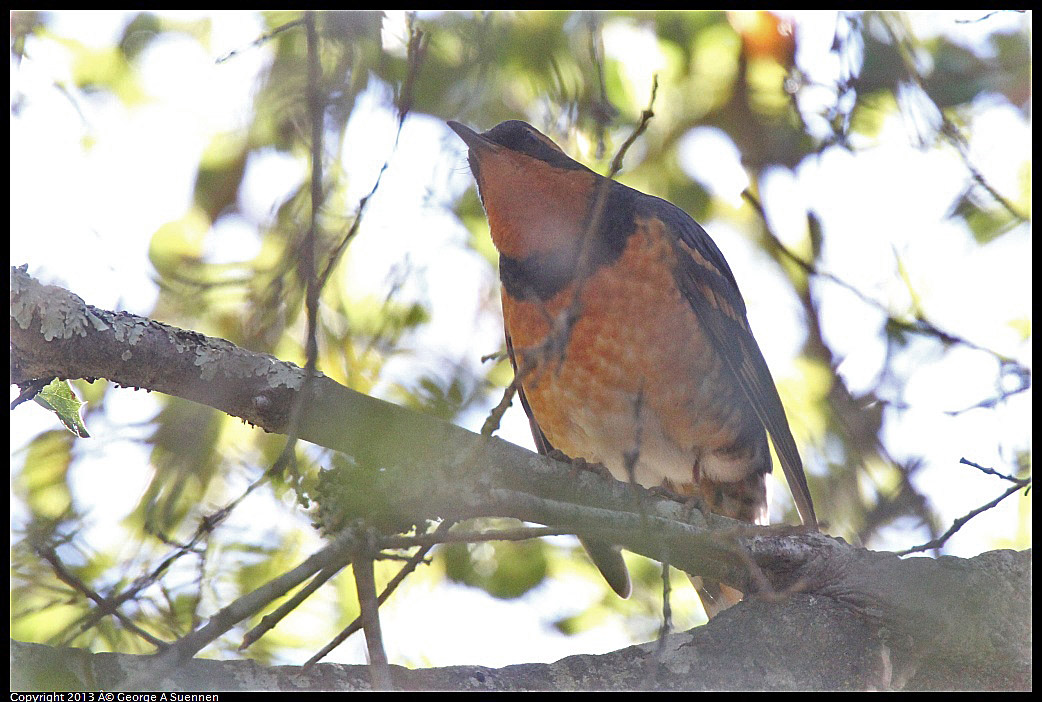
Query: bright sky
[[82, 217]]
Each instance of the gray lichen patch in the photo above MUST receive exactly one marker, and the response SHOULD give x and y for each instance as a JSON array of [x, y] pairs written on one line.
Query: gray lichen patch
[[60, 313]]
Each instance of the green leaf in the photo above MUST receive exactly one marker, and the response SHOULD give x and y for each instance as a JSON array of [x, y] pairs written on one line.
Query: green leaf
[[506, 569], [59, 398]]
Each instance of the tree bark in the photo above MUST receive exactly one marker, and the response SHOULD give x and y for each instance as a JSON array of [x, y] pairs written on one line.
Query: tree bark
[[820, 614], [803, 642]]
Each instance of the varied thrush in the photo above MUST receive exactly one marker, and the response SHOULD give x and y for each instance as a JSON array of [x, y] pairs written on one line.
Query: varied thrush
[[629, 337]]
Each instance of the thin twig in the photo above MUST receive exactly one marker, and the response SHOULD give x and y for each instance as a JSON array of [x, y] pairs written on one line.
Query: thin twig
[[365, 584], [520, 534], [961, 521], [206, 526], [1023, 376], [987, 471], [495, 415], [306, 261], [948, 128], [31, 390], [984, 17], [667, 609], [921, 325], [187, 646], [416, 51], [602, 110], [262, 39], [645, 117], [354, 626], [62, 573], [270, 621]]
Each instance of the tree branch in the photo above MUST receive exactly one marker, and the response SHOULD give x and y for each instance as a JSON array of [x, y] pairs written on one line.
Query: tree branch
[[409, 467]]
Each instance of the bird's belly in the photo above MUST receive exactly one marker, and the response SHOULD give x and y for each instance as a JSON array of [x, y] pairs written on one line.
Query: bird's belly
[[636, 438], [622, 443], [634, 378]]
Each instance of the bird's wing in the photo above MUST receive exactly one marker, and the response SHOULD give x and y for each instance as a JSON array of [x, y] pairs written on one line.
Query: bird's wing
[[705, 279], [604, 555]]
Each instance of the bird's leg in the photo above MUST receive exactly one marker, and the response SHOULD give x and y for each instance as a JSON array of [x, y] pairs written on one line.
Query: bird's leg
[[667, 491]]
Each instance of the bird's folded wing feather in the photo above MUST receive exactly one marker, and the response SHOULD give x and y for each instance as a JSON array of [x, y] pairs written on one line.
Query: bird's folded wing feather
[[705, 279]]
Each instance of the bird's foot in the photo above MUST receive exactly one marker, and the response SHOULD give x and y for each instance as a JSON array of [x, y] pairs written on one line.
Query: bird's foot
[[579, 464]]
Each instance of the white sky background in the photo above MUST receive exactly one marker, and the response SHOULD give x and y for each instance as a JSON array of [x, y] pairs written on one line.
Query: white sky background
[[82, 217]]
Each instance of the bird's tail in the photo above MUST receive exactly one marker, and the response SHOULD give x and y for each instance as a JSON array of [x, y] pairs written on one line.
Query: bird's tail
[[608, 559]]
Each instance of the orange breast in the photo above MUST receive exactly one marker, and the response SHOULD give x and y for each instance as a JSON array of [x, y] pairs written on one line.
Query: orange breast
[[637, 377]]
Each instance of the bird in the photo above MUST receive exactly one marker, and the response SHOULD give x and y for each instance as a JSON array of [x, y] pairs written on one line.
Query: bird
[[629, 338]]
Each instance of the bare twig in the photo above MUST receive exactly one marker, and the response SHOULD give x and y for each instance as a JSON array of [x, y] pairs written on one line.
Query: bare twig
[[186, 647], [416, 51], [988, 471], [495, 415], [391, 586], [920, 325], [557, 338], [105, 606], [262, 39], [667, 609], [379, 670], [1023, 376], [269, 621], [206, 525], [985, 16], [30, 390], [645, 117], [560, 328], [602, 110], [306, 261], [949, 130], [959, 523], [520, 534]]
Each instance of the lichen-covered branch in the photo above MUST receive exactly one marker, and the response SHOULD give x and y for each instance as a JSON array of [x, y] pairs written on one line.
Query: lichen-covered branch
[[404, 468]]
